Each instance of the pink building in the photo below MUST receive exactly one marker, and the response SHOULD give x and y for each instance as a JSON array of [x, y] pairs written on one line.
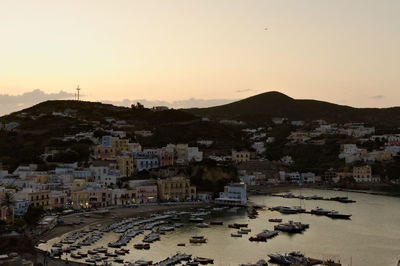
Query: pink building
[[58, 199], [146, 194], [103, 153], [100, 197], [165, 157]]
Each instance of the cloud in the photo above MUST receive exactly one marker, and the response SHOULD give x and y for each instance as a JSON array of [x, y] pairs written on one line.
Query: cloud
[[378, 97], [246, 90], [12, 103]]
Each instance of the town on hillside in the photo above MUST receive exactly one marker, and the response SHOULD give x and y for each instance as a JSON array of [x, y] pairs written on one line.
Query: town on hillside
[[119, 171]]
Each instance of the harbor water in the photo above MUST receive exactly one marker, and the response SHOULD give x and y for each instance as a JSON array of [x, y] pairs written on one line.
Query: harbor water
[[371, 237]]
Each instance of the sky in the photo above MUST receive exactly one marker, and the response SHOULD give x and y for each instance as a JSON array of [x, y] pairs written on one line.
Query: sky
[[341, 51]]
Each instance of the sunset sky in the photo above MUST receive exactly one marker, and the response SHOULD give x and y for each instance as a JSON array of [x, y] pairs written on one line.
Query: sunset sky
[[342, 51]]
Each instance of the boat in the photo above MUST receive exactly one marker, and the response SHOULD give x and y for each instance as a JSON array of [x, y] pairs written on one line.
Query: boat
[[181, 244], [320, 211], [193, 263], [198, 239], [143, 263], [119, 260], [204, 260], [176, 218], [236, 235], [291, 227], [196, 220], [202, 225], [109, 254], [120, 252], [258, 239], [287, 210], [337, 215], [75, 256], [91, 260], [82, 254], [240, 225], [275, 220], [287, 259], [101, 250], [268, 234], [242, 232], [217, 223]]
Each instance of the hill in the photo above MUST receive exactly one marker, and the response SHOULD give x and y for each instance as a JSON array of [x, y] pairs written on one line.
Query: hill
[[262, 107], [44, 125]]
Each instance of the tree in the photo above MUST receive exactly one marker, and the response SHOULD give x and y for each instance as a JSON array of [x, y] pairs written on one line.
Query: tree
[[33, 215], [8, 201]]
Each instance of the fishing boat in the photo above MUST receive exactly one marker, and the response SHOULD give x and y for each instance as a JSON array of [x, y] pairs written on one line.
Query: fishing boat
[[320, 211]]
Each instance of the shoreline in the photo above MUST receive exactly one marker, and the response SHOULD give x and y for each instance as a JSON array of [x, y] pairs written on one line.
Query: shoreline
[[270, 189], [109, 217]]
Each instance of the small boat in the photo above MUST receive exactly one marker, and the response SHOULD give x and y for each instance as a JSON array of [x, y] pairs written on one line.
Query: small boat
[[196, 220], [216, 223], [143, 262], [236, 235], [320, 211], [202, 225], [193, 263], [198, 239], [82, 254], [277, 220], [258, 239], [242, 232], [337, 215], [101, 250], [119, 260], [181, 244], [120, 252], [108, 254], [91, 260], [288, 210], [138, 246], [92, 251], [75, 256], [204, 260]]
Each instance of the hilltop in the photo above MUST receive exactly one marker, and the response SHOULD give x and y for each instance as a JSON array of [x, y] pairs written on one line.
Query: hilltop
[[263, 107]]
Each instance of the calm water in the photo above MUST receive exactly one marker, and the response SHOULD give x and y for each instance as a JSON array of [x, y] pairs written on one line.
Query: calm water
[[371, 237]]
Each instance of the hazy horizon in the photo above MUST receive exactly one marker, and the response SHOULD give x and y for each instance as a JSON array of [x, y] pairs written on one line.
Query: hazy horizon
[[13, 103]]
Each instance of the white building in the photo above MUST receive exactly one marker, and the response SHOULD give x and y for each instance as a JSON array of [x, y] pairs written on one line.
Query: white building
[[104, 176], [194, 154], [234, 195], [259, 147]]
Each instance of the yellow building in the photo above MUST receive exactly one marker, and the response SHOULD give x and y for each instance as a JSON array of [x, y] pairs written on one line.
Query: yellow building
[[182, 151], [380, 155], [120, 144], [362, 173], [79, 182], [80, 198], [240, 156], [40, 198], [125, 165], [175, 188]]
